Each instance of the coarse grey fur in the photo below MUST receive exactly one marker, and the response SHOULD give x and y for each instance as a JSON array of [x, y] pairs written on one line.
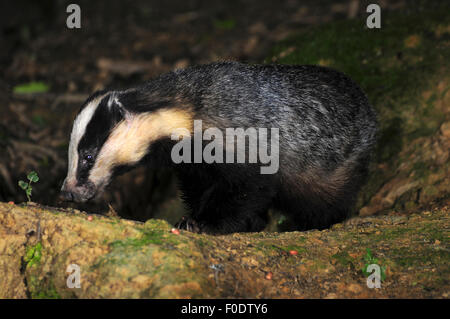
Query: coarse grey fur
[[327, 133]]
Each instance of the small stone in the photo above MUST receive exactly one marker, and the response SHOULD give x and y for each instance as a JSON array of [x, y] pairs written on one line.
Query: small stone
[[355, 288], [412, 41]]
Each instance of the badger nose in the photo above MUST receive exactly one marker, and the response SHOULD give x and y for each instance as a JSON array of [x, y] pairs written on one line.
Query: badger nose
[[66, 196]]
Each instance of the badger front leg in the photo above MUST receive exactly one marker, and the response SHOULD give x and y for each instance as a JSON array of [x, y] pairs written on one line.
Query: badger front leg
[[189, 223], [223, 210]]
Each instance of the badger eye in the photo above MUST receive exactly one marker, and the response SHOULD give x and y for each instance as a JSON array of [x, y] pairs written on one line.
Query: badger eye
[[88, 158]]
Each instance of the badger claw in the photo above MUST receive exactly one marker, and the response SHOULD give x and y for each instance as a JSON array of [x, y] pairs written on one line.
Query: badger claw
[[189, 224]]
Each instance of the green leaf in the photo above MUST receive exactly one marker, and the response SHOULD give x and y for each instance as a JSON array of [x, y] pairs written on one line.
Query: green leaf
[[33, 255], [383, 273], [38, 252], [23, 185], [227, 24], [32, 176], [281, 220], [28, 190], [29, 254], [32, 87], [369, 258]]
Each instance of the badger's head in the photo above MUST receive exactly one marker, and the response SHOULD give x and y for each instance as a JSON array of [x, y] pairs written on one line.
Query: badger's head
[[112, 132]]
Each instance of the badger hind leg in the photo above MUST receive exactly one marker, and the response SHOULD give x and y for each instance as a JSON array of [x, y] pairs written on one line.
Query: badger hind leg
[[310, 211], [318, 199]]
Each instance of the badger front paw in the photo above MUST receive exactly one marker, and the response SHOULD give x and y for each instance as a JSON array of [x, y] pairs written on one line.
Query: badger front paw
[[189, 224]]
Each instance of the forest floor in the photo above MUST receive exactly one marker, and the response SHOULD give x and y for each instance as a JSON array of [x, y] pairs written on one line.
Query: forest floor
[[403, 210], [120, 258]]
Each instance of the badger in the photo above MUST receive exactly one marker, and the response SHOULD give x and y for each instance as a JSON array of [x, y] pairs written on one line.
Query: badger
[[326, 131]]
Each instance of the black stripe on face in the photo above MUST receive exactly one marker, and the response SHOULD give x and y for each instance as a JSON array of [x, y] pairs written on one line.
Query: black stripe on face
[[91, 98], [97, 131]]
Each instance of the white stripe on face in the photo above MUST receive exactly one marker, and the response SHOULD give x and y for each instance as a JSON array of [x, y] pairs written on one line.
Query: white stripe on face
[[78, 130]]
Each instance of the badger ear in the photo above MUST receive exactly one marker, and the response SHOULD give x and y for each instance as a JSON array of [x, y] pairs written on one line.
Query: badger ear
[[116, 106]]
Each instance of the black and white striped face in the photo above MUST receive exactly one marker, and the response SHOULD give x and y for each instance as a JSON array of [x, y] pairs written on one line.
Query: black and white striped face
[[91, 129], [106, 135]]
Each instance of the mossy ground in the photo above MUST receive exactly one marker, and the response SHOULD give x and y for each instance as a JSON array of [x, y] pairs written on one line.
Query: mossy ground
[[128, 259]]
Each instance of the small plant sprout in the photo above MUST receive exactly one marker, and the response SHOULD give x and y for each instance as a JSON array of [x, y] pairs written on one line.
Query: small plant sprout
[[369, 259], [32, 178]]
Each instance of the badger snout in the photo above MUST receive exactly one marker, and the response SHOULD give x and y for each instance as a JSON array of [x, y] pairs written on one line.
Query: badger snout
[[72, 192], [66, 196]]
